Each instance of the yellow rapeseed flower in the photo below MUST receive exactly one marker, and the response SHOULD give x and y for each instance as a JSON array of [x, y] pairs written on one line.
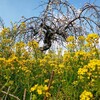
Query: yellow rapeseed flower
[[23, 25], [2, 59], [46, 81], [45, 87], [61, 65], [70, 39], [91, 69], [33, 44], [82, 71], [34, 88], [81, 38], [92, 38], [86, 95], [39, 91]]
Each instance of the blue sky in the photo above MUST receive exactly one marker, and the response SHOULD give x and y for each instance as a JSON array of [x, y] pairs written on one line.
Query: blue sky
[[13, 10]]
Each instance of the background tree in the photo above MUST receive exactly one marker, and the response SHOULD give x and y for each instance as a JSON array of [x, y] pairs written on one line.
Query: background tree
[[59, 20]]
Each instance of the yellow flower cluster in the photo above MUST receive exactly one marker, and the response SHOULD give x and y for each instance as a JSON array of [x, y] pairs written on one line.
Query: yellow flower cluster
[[71, 45], [86, 95], [23, 24], [70, 39], [81, 38], [34, 44], [90, 70], [40, 89], [92, 38], [46, 81], [15, 28], [5, 31], [22, 27], [20, 44], [66, 57], [42, 62], [81, 55]]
